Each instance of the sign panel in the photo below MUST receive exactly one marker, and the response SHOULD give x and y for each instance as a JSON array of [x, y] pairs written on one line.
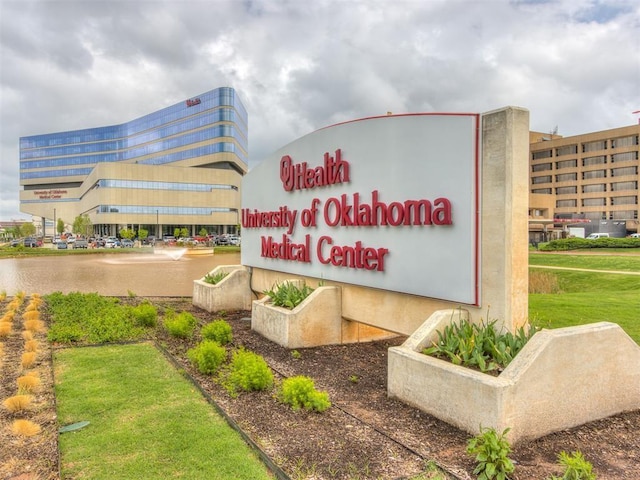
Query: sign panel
[[386, 202]]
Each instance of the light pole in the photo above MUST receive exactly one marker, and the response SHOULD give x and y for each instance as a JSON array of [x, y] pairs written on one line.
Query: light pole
[[157, 224], [55, 227]]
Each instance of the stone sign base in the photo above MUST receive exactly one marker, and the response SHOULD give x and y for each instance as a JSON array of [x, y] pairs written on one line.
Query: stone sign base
[[562, 378], [233, 292], [316, 321]]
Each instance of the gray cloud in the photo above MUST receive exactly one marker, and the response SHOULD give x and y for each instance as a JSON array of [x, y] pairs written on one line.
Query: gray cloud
[[299, 66]]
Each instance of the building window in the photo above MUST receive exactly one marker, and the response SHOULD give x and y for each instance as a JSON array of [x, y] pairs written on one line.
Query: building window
[[594, 174], [624, 157], [566, 190], [567, 164], [541, 190], [567, 150], [544, 179], [542, 154], [620, 172], [598, 160], [593, 146], [626, 200], [566, 203], [618, 186], [567, 177], [541, 167], [596, 187], [624, 215], [594, 202], [629, 141]]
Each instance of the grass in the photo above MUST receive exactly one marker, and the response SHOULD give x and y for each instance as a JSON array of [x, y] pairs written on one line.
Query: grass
[[588, 297], [146, 420]]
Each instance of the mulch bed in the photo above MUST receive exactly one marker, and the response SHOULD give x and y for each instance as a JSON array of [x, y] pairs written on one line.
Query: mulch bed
[[364, 435]]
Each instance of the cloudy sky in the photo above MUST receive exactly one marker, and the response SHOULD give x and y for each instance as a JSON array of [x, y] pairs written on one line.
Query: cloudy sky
[[299, 65]]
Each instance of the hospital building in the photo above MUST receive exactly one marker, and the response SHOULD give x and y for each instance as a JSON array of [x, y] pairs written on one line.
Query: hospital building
[[179, 167]]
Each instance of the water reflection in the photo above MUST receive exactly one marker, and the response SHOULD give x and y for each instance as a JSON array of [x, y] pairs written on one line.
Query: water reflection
[[110, 274]]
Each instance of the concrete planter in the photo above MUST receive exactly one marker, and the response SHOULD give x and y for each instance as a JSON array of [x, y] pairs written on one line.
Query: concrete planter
[[233, 292], [562, 378], [316, 321]]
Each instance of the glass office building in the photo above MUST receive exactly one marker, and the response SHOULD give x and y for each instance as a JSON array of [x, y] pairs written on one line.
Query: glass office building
[[179, 167]]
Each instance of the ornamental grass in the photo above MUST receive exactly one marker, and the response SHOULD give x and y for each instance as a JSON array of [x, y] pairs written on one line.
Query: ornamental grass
[[28, 383], [28, 359], [34, 325], [31, 346], [17, 403], [25, 428], [31, 315], [27, 335], [5, 329]]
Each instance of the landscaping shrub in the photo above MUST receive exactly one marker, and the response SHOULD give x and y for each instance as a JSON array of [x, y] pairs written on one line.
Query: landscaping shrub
[[90, 318], [215, 278], [576, 467], [17, 403], [180, 325], [300, 392], [491, 451], [480, 346], [576, 243], [218, 330], [207, 356], [145, 314], [248, 371], [288, 295]]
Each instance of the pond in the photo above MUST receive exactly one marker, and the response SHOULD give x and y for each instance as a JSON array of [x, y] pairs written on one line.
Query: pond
[[162, 273]]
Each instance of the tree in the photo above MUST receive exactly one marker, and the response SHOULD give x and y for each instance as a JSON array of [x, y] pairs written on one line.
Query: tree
[[60, 226], [203, 232], [176, 232], [143, 234], [27, 229], [184, 232], [82, 225], [128, 233]]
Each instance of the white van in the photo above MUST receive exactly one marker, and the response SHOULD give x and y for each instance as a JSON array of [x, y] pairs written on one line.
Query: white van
[[595, 236]]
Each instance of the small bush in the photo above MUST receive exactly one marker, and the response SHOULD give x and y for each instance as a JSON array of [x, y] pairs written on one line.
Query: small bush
[[248, 371], [218, 330], [180, 325], [300, 392], [34, 325], [288, 295], [145, 314], [207, 356], [491, 451], [17, 403], [576, 467], [25, 428], [27, 335], [215, 278]]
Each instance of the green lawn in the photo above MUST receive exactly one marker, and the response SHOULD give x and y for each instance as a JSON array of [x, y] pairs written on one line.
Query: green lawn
[[146, 420], [588, 297]]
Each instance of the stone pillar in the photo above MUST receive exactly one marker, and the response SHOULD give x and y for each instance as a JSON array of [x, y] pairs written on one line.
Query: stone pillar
[[504, 222]]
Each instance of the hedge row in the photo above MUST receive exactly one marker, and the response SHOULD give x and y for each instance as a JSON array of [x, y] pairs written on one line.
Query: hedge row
[[583, 243]]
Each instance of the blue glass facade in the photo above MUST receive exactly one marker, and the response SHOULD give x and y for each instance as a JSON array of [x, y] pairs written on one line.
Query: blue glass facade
[[216, 118], [179, 166]]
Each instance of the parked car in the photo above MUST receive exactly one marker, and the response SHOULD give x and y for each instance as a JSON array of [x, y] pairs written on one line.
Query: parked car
[[31, 242], [233, 240], [112, 242], [61, 245], [80, 243], [126, 243], [595, 236], [635, 235]]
